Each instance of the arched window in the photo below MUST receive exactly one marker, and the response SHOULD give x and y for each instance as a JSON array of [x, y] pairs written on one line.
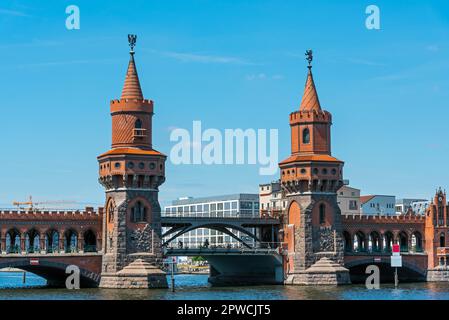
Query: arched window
[[442, 240], [90, 241], [111, 212], [138, 124], [322, 213], [139, 212], [306, 135]]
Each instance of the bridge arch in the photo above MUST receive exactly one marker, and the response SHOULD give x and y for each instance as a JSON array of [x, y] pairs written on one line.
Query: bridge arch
[[403, 241], [374, 241], [359, 241], [13, 244], [409, 271], [32, 240], [388, 240], [52, 240], [222, 227], [70, 240], [417, 241], [348, 241], [90, 241], [53, 272]]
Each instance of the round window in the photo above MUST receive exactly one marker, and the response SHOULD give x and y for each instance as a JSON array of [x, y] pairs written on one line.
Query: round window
[[315, 171], [152, 165], [324, 171], [334, 171], [141, 165], [130, 165], [303, 171], [117, 165]]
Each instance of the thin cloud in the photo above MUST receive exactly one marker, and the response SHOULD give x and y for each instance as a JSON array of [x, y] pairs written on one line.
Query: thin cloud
[[263, 76], [65, 63], [366, 62], [13, 13], [33, 43], [433, 48], [202, 58]]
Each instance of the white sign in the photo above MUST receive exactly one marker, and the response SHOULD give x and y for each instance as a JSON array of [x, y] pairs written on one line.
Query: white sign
[[396, 261]]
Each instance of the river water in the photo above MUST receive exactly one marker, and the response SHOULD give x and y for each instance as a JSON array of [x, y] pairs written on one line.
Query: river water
[[196, 287]]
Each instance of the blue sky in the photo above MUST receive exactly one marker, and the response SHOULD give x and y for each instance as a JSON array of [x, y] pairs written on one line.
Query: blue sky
[[230, 64]]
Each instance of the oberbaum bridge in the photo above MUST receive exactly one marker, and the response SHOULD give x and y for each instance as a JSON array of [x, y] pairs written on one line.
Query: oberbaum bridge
[[310, 243]]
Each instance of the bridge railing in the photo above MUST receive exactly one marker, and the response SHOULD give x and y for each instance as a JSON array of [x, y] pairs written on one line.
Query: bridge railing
[[384, 250], [257, 245], [209, 215]]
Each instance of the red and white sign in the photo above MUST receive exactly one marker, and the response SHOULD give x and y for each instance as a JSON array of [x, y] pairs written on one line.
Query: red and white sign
[[34, 261], [396, 248], [396, 259]]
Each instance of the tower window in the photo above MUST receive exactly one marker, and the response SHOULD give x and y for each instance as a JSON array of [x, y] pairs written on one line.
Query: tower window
[[322, 213], [138, 131], [306, 135], [138, 212]]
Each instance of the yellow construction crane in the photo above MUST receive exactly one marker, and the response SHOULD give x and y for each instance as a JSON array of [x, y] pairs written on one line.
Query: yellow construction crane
[[32, 205]]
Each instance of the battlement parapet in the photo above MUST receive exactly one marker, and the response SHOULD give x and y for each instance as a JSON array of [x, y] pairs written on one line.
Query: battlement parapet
[[310, 116], [130, 105], [384, 218], [29, 214]]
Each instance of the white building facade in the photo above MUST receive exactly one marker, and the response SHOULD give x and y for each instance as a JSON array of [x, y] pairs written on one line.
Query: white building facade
[[270, 197], [348, 200], [235, 205], [378, 205]]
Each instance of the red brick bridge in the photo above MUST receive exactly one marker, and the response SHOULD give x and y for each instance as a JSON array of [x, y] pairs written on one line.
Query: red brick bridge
[[46, 242], [368, 240]]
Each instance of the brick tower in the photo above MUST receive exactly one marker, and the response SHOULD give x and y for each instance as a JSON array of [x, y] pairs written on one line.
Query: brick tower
[[310, 178], [131, 173], [436, 238]]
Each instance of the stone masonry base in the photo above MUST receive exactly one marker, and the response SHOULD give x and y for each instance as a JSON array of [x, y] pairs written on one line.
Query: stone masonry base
[[137, 275], [438, 275], [324, 272]]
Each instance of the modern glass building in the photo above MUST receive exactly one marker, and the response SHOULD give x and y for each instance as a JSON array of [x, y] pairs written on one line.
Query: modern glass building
[[234, 205]]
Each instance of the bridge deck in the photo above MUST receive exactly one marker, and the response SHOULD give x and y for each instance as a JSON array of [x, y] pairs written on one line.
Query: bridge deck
[[168, 221], [218, 251]]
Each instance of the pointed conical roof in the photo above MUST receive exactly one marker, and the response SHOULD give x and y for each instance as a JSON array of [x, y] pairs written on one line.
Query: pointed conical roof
[[131, 88], [310, 99]]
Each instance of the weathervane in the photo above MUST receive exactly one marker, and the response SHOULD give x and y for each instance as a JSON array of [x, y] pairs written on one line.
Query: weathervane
[[309, 57], [132, 41]]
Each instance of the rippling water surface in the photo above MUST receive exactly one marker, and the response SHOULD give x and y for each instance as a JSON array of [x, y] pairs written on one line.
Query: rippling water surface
[[196, 287]]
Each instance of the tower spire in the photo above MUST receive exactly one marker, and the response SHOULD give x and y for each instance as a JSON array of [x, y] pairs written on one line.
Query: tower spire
[[131, 88], [310, 99]]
